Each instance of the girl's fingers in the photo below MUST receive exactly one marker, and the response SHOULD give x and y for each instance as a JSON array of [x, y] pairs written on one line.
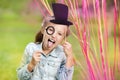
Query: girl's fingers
[[67, 45], [38, 59], [36, 55]]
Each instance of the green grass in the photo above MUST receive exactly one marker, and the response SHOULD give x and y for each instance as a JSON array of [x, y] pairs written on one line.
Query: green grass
[[15, 34]]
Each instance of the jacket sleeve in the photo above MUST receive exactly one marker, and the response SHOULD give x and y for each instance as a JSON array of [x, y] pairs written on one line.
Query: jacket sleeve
[[22, 71], [65, 73]]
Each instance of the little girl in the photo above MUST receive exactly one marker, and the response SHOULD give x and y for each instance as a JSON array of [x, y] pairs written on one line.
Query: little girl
[[50, 57]]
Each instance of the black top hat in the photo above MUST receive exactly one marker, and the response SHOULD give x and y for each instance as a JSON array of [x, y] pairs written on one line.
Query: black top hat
[[61, 14]]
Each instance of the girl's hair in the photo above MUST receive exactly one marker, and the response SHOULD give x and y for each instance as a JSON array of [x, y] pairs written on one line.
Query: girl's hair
[[39, 35]]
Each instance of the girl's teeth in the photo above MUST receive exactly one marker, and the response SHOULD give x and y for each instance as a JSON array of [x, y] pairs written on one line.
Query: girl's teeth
[[51, 40]]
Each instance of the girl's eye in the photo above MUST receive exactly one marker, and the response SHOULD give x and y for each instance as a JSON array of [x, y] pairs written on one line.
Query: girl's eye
[[60, 34], [50, 29]]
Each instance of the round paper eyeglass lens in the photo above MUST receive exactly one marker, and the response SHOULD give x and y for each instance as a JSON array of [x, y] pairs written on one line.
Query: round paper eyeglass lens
[[50, 30]]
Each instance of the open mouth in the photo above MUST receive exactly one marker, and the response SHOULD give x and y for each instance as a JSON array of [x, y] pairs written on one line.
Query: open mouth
[[51, 42]]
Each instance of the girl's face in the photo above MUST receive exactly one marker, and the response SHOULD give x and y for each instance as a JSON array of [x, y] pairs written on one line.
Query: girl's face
[[53, 35]]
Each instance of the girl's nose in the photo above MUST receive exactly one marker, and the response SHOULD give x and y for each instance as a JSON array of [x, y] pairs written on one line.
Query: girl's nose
[[54, 35]]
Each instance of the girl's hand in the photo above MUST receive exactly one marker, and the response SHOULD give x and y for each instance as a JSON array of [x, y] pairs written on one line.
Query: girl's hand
[[35, 59], [68, 49], [70, 61]]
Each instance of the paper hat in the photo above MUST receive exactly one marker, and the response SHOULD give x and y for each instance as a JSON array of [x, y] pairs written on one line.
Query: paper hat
[[61, 14]]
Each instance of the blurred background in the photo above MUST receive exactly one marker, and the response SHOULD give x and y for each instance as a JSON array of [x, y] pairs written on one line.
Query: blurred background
[[19, 22]]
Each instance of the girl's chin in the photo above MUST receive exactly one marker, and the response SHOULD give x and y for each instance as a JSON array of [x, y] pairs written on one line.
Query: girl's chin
[[48, 47]]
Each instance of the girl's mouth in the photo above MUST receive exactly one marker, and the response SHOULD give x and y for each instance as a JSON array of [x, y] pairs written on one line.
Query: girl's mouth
[[51, 42]]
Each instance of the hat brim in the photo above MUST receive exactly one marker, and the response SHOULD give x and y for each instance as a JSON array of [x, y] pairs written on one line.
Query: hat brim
[[62, 22]]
